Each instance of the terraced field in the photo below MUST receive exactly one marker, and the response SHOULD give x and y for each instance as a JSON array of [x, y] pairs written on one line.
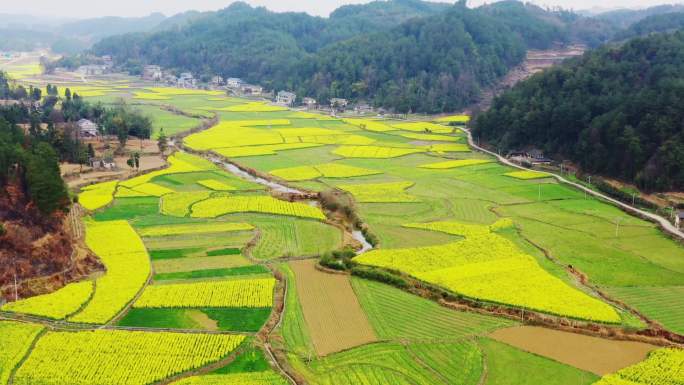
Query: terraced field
[[198, 259]]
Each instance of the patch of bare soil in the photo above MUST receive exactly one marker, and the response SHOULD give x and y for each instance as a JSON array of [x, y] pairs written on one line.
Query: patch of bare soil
[[75, 177], [331, 310], [596, 355], [203, 320]]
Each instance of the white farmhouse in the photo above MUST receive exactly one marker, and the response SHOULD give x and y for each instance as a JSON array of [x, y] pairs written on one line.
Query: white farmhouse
[[286, 98], [234, 83], [87, 129]]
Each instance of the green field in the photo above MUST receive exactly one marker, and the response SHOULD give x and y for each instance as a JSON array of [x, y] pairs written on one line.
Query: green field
[[224, 319], [172, 123], [510, 366], [289, 236], [394, 363], [396, 315], [663, 304]]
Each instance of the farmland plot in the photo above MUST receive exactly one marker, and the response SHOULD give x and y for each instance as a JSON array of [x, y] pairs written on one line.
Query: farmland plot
[[595, 355], [15, 339], [487, 266], [397, 315], [510, 366], [332, 312], [128, 268], [394, 363], [663, 367], [231, 293], [105, 357], [56, 305], [218, 206]]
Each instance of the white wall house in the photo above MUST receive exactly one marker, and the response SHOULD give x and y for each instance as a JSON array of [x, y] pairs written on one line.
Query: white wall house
[[286, 98], [87, 129]]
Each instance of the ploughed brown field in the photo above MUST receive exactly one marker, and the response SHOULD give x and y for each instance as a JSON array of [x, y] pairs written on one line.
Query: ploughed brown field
[[331, 310], [596, 355]]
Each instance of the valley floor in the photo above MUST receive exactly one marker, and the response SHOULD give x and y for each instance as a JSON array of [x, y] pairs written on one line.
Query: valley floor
[[212, 277]]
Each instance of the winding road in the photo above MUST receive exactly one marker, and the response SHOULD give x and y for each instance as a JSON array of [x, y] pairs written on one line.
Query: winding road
[[666, 225]]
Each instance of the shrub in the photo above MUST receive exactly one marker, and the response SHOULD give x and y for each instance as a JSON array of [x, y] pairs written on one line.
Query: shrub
[[329, 261], [379, 275]]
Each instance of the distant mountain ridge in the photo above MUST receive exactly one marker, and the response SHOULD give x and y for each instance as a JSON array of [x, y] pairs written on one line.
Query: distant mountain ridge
[[69, 36], [377, 51], [101, 27]]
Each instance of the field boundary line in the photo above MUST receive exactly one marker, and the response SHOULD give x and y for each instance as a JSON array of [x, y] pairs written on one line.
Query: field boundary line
[[277, 325], [26, 356], [485, 365], [419, 361]]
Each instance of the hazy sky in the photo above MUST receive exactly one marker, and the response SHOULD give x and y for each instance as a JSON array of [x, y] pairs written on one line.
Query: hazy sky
[[90, 8]]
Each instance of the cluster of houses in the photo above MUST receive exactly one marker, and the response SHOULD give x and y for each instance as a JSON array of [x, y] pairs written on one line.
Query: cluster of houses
[[531, 157], [239, 87], [154, 73]]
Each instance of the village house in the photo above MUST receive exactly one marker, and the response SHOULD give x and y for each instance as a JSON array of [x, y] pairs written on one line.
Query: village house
[[234, 83], [338, 103], [363, 108], [152, 73], [251, 89], [310, 103], [98, 163], [92, 70], [186, 80], [169, 78], [107, 61], [286, 98], [87, 129], [532, 156], [217, 80]]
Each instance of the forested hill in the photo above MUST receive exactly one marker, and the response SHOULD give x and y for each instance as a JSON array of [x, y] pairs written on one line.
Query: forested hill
[[617, 111], [408, 55], [430, 64]]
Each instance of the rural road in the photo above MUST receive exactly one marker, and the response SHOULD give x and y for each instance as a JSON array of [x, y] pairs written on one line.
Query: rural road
[[664, 223]]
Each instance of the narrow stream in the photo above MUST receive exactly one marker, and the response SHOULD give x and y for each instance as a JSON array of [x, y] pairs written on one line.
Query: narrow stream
[[237, 171], [365, 245], [249, 177]]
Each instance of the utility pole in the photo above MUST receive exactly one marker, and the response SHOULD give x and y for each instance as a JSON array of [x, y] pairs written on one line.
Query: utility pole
[[16, 291]]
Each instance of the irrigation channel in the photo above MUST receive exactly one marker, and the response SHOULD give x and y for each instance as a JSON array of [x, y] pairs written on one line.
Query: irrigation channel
[[280, 188]]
